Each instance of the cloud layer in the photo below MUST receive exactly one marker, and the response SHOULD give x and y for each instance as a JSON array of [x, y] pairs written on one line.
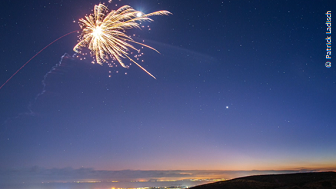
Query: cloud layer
[[37, 174]]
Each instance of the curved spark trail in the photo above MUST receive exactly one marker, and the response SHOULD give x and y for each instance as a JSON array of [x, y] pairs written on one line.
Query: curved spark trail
[[35, 56]]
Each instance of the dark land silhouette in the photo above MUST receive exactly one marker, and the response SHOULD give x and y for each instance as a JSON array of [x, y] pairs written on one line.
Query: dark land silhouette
[[312, 180]]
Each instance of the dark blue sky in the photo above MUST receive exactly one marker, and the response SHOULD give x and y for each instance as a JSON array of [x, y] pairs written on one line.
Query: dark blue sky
[[241, 85]]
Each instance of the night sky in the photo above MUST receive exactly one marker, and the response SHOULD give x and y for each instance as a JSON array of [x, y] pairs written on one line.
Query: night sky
[[241, 85]]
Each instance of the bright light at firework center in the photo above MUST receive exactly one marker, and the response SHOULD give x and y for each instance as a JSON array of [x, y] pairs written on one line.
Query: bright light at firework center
[[97, 32], [139, 14]]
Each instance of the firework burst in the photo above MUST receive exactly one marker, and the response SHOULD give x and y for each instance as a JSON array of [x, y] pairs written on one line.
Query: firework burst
[[103, 33]]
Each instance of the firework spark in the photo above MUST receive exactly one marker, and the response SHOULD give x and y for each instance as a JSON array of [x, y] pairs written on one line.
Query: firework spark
[[103, 33]]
